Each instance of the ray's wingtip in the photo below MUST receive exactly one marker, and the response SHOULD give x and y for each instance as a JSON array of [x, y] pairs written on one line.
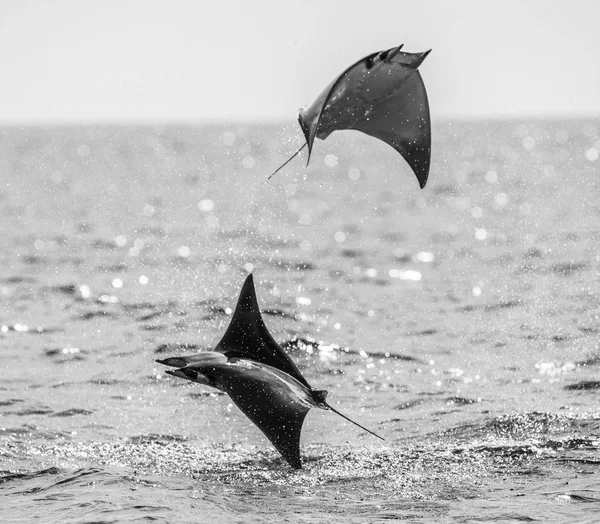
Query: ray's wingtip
[[248, 286], [421, 57], [421, 172], [425, 55]]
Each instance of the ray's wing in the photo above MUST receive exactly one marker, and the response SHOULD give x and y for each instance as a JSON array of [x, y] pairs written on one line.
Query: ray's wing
[[248, 337], [276, 402], [382, 95], [403, 122], [280, 420]]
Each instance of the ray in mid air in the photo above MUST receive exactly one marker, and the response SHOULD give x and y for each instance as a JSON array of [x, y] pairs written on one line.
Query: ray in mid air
[[261, 379], [383, 96]]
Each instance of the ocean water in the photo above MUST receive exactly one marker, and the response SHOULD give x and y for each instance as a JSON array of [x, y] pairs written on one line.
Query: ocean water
[[461, 322]]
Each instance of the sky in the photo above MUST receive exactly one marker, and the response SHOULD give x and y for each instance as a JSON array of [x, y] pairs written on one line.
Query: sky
[[136, 61]]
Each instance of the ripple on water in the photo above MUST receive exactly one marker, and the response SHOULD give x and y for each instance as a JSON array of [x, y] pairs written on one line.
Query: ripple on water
[[66, 354], [71, 412], [291, 265], [423, 478], [10, 402], [566, 269], [583, 385], [91, 315], [311, 346], [592, 361]]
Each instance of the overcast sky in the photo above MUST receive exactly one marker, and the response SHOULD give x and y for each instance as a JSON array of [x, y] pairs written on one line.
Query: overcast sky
[[180, 60]]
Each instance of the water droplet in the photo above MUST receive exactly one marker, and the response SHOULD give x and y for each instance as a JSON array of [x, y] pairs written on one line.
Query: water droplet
[[228, 138], [183, 251], [353, 174], [371, 272], [425, 256], [405, 274], [525, 209], [305, 219], [331, 160], [501, 199], [480, 234], [83, 150], [206, 205], [491, 177], [529, 143], [592, 154]]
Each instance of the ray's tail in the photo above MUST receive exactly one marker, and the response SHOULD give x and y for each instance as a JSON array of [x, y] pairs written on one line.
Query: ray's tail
[[350, 420], [287, 161]]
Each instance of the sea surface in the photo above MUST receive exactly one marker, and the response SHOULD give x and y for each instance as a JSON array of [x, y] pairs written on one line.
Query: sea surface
[[460, 322]]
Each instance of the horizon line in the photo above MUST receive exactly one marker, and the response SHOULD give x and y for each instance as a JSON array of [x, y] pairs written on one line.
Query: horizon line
[[121, 122]]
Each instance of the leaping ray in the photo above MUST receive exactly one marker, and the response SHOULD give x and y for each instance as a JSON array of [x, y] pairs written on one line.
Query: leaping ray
[[261, 378], [381, 95]]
